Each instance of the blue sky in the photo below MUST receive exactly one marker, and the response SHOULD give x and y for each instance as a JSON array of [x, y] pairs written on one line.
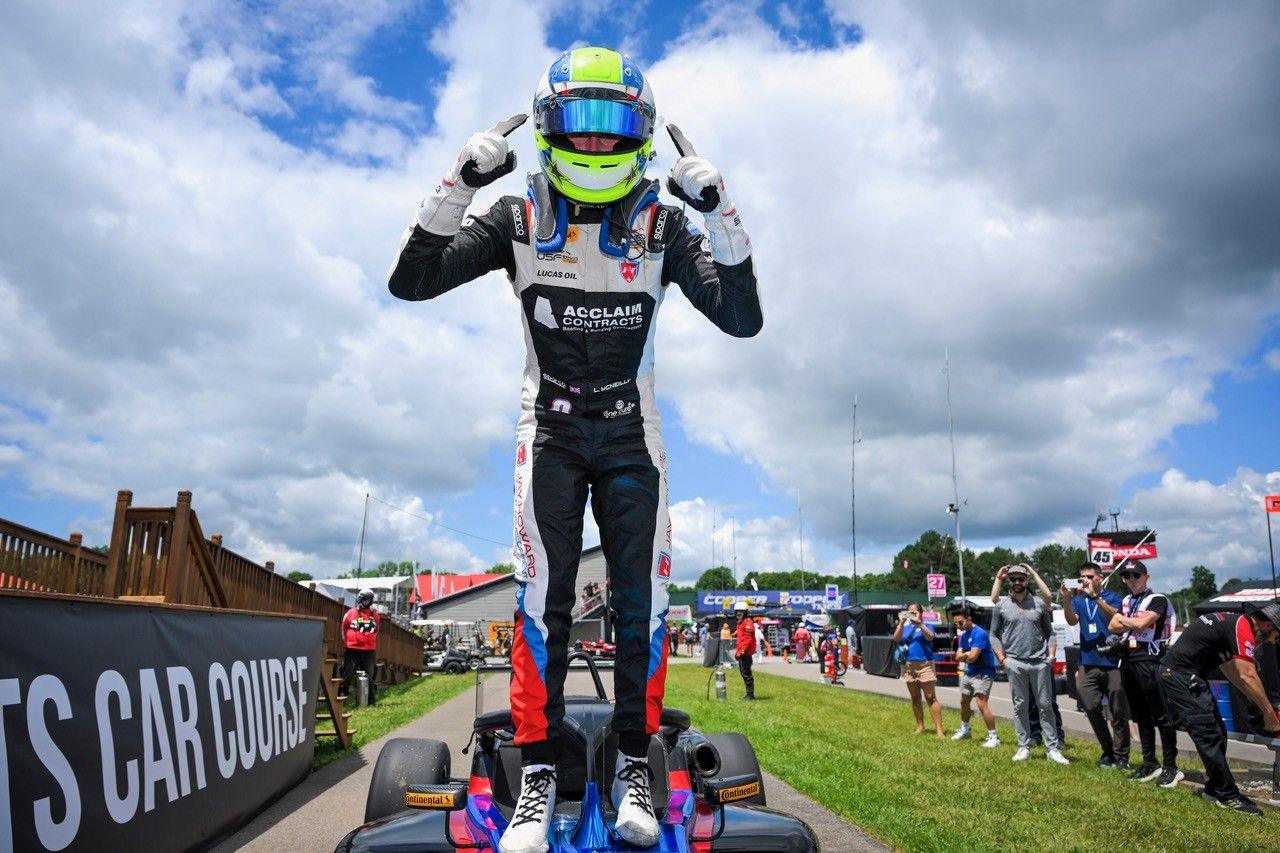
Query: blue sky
[[983, 192]]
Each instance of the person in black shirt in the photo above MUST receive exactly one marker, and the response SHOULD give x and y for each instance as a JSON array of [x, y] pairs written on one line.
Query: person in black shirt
[[1146, 619], [1226, 641]]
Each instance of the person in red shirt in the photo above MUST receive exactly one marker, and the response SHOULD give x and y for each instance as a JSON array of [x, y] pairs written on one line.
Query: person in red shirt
[[360, 637], [746, 647]]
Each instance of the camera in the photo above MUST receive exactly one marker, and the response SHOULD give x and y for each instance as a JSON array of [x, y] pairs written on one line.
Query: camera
[[1114, 647]]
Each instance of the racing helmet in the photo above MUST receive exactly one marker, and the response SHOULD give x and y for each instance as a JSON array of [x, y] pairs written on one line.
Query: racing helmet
[[593, 119], [365, 598]]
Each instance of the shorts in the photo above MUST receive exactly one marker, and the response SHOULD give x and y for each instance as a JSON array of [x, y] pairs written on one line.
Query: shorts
[[919, 672], [975, 685]]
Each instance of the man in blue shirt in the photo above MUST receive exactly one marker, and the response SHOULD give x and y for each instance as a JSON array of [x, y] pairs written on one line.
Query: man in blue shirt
[[1092, 608], [979, 671]]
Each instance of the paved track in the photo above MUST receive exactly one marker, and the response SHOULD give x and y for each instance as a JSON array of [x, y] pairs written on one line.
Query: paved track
[[329, 803]]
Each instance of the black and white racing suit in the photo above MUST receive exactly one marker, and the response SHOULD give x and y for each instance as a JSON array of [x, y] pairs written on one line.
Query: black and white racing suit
[[589, 419]]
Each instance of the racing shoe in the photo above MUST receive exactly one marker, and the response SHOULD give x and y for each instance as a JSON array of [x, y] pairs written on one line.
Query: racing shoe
[[636, 823], [527, 832]]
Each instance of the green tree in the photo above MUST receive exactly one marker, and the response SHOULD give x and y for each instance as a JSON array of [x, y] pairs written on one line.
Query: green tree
[[1204, 584], [1057, 562], [720, 577], [502, 569], [299, 577]]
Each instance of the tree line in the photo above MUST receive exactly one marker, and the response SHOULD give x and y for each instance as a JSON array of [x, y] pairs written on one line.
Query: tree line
[[936, 552]]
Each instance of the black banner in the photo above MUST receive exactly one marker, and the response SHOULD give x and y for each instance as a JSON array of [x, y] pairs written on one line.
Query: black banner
[[130, 727]]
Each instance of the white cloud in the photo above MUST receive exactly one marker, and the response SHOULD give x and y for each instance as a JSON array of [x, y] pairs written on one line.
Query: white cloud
[[1218, 525], [188, 300], [1272, 359]]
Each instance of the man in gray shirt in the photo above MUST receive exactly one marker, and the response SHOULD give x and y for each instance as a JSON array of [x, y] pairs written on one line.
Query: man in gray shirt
[[1021, 627]]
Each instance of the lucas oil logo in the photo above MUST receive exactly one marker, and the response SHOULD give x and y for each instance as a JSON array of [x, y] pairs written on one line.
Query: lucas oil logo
[[664, 564]]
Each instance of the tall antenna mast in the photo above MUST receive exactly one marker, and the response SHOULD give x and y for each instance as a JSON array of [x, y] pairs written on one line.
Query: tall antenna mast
[[800, 533], [364, 525], [733, 540], [954, 509], [713, 536], [853, 496]]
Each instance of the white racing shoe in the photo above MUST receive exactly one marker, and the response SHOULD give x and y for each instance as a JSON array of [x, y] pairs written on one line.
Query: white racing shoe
[[527, 832], [631, 797]]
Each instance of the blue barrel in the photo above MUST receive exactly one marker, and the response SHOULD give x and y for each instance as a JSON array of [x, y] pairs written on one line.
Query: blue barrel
[[1222, 697]]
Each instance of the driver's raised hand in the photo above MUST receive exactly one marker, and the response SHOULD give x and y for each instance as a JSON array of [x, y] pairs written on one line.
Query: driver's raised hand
[[485, 158]]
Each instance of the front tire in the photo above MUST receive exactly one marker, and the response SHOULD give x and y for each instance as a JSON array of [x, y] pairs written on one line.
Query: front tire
[[738, 756], [404, 761]]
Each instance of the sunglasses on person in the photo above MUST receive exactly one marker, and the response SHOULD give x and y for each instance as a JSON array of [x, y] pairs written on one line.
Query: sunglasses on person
[[1130, 575]]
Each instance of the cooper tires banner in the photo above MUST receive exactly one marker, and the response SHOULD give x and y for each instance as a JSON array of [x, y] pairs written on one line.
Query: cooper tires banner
[[131, 727]]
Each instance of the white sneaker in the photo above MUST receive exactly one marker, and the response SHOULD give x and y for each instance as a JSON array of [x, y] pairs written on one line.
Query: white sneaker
[[1056, 757], [963, 733], [527, 832], [991, 742], [636, 824], [1021, 755]]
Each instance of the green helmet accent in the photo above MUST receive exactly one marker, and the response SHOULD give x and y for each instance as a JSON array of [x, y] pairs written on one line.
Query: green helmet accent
[[594, 96]]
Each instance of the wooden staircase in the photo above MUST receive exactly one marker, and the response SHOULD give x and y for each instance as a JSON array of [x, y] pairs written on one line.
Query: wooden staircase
[[335, 702]]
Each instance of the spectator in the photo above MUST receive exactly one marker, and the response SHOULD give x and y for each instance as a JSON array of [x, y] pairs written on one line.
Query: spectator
[[689, 638], [1098, 675], [1229, 641], [702, 636], [1146, 618], [918, 670], [746, 647], [360, 627], [801, 637], [1022, 625], [979, 661], [759, 636], [851, 637]]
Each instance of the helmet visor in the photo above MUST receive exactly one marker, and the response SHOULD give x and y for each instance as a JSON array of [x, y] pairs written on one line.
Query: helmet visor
[[627, 120]]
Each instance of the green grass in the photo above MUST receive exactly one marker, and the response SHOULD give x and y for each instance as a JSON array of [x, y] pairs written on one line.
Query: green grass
[[397, 705], [855, 753]]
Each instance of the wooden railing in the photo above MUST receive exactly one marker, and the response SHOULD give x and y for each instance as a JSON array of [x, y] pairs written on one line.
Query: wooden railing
[[145, 563], [30, 559]]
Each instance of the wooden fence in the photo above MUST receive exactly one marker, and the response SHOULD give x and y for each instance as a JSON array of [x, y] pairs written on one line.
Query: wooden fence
[[161, 554], [33, 560]]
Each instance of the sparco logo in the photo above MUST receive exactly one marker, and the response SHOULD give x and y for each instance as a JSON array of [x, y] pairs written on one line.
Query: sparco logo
[[584, 319], [659, 226], [517, 219]]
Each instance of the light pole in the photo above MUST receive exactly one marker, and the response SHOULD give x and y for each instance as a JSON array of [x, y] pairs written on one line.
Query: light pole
[[853, 496]]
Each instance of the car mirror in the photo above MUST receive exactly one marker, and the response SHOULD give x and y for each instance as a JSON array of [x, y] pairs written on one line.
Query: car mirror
[[449, 797]]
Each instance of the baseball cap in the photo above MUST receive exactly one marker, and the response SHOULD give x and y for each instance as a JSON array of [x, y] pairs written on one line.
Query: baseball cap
[[1016, 570], [1134, 566], [1268, 611]]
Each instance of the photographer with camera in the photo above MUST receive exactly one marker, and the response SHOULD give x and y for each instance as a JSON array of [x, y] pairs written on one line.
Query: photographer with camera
[[1228, 641], [1091, 607], [917, 669], [1147, 618], [1023, 625]]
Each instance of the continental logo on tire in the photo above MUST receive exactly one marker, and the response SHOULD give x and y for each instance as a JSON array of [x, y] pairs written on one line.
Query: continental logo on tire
[[739, 792], [424, 800]]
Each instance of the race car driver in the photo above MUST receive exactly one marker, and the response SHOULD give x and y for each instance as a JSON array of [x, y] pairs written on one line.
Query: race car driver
[[589, 253]]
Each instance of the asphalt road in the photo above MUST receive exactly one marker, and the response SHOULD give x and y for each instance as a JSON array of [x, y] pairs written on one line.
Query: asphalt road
[[329, 803]]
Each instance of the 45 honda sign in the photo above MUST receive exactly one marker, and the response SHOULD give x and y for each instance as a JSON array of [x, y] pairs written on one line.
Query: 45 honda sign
[[1108, 554]]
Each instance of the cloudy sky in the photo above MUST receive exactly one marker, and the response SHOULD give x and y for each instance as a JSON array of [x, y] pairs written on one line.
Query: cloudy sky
[[201, 201]]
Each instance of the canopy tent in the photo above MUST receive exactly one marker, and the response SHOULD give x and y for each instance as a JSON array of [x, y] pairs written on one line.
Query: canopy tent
[[1252, 592]]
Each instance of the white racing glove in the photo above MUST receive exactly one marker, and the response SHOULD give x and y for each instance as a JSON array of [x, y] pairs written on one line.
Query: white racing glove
[[693, 176], [485, 158]]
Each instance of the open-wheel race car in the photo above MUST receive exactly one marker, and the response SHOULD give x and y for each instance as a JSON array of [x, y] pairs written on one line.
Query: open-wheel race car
[[707, 789]]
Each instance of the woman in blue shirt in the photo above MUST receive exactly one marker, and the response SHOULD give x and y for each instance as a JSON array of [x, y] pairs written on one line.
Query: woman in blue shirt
[[918, 670]]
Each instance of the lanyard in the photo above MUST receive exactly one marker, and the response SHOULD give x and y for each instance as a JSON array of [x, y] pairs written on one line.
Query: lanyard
[[1091, 617]]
